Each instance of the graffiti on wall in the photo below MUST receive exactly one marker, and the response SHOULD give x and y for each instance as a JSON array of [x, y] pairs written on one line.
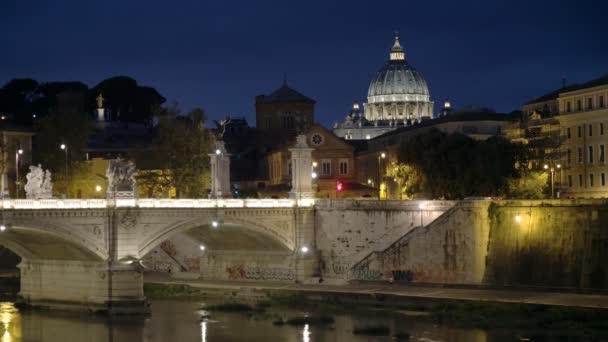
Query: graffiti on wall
[[367, 274], [240, 272], [192, 264], [401, 275]]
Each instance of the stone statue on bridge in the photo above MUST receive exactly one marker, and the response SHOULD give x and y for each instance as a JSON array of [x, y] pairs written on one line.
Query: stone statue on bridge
[[39, 183], [121, 179]]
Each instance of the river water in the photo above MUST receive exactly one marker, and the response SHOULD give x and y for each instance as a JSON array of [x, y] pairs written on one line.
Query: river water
[[181, 321]]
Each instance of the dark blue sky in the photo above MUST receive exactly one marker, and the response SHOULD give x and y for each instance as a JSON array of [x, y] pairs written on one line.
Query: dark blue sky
[[220, 54]]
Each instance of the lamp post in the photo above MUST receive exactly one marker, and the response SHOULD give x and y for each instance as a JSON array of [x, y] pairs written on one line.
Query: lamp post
[[17, 154], [561, 173], [552, 170], [64, 147], [380, 157]]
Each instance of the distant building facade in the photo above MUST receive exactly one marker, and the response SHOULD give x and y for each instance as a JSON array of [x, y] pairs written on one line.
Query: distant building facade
[[284, 112], [583, 117]]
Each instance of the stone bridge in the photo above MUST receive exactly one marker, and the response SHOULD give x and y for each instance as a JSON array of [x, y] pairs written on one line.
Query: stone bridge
[[93, 252]]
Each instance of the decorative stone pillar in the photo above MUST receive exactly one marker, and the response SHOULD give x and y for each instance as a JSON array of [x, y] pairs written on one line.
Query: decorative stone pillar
[[220, 171], [301, 169]]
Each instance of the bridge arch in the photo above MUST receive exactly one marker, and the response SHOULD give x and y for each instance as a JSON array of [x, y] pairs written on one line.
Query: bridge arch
[[250, 228], [33, 240]]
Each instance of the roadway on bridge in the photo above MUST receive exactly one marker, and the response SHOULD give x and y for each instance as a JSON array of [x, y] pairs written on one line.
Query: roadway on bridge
[[401, 290]]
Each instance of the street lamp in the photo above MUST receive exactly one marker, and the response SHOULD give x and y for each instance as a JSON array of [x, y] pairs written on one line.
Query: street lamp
[[552, 170], [64, 147], [380, 157], [561, 173], [17, 154]]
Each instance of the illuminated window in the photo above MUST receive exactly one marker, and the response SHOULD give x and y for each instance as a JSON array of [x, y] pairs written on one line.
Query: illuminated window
[[326, 168], [570, 181], [590, 154], [591, 179], [343, 167]]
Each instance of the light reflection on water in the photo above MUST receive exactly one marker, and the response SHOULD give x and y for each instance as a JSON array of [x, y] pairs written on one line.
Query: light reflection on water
[[306, 333], [10, 322], [204, 331]]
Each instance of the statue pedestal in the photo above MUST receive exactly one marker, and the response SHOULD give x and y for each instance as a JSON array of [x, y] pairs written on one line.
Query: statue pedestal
[[301, 169]]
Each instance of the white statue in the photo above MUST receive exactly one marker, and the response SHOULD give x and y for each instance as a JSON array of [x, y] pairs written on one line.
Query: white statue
[[38, 183], [121, 178], [47, 185]]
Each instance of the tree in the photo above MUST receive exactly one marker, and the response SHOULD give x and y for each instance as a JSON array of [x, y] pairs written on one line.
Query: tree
[[182, 147], [407, 178], [126, 101], [62, 127], [15, 99], [529, 186], [455, 166]]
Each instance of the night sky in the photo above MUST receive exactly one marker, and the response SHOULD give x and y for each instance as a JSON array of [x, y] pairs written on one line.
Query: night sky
[[220, 54]]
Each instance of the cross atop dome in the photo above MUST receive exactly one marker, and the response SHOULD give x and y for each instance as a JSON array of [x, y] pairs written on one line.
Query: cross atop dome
[[397, 53]]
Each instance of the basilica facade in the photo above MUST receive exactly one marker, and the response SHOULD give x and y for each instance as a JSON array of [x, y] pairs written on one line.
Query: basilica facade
[[398, 96]]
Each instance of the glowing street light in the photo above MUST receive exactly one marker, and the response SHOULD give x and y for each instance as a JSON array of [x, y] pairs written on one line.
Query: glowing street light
[[314, 175], [518, 218], [64, 147], [97, 188], [2, 228], [314, 164], [202, 248], [304, 249], [218, 152], [215, 224], [17, 154]]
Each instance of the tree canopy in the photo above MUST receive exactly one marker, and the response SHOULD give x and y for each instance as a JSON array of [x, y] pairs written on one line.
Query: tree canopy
[[127, 101], [455, 166], [181, 146]]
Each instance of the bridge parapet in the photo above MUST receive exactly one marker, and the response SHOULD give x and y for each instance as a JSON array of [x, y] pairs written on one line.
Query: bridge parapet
[[373, 204], [154, 203]]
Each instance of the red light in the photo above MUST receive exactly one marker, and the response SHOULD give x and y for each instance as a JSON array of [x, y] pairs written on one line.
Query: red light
[[339, 186]]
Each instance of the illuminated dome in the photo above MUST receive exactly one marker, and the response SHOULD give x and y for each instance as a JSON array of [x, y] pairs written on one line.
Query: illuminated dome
[[398, 92]]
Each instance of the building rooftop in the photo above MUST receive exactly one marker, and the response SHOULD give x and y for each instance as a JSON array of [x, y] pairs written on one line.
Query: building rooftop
[[602, 80], [469, 114], [284, 94]]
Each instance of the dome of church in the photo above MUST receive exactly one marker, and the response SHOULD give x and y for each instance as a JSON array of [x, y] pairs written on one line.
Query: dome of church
[[398, 92], [397, 77]]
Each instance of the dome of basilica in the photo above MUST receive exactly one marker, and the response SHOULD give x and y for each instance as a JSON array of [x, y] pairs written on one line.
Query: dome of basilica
[[398, 91], [397, 77]]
